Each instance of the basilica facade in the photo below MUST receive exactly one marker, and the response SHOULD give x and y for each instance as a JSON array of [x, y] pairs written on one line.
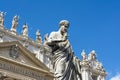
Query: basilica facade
[[22, 58]]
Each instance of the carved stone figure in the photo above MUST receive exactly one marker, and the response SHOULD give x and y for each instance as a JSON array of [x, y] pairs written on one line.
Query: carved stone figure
[[99, 66], [25, 30], [38, 37], [84, 57], [14, 23], [92, 55], [14, 52], [66, 65], [2, 19]]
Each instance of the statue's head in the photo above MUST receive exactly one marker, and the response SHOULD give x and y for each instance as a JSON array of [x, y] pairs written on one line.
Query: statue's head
[[15, 17], [64, 23], [25, 26]]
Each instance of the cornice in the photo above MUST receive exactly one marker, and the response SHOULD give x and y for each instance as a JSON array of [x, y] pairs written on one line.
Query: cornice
[[20, 37]]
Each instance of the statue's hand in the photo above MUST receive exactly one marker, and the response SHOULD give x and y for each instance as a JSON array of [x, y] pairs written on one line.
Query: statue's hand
[[63, 43]]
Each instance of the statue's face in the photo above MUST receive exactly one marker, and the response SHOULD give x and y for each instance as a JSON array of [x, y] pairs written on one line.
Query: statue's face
[[64, 25], [64, 29]]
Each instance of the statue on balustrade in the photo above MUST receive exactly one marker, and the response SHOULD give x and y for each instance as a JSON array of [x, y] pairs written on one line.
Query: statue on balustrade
[[66, 66], [38, 37], [14, 23], [2, 14], [25, 30]]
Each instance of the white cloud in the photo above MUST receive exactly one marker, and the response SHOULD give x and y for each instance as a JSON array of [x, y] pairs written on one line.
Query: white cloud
[[116, 77]]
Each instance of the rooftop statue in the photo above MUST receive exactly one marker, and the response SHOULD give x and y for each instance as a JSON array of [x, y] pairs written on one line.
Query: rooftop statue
[[66, 65], [38, 37], [25, 30], [2, 14], [92, 55], [84, 57], [14, 23]]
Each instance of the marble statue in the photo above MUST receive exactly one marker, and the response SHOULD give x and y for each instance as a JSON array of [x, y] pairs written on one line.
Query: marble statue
[[66, 66], [14, 23], [84, 57], [92, 55], [38, 37], [25, 30], [2, 18]]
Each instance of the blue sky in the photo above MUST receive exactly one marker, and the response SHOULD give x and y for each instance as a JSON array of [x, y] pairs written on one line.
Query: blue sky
[[94, 25]]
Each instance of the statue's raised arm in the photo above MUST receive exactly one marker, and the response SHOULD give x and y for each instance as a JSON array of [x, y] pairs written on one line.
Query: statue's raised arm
[[60, 35]]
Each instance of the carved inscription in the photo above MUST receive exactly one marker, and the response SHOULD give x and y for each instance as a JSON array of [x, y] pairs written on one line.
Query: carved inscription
[[21, 70]]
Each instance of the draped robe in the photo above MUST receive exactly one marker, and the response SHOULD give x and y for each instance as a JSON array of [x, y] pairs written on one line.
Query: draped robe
[[66, 65]]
